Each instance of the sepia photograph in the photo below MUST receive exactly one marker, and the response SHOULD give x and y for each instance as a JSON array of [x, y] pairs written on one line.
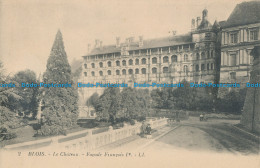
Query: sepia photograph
[[130, 83]]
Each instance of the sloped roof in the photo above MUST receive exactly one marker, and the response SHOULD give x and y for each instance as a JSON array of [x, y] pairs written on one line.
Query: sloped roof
[[152, 43], [244, 13]]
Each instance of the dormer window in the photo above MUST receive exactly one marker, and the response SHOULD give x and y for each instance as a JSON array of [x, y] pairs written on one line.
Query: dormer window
[[233, 38], [253, 34]]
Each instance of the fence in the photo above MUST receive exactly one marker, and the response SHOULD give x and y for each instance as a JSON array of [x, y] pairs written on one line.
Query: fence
[[86, 139]]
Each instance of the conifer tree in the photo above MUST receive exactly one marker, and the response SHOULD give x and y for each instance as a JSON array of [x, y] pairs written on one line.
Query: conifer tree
[[60, 108]]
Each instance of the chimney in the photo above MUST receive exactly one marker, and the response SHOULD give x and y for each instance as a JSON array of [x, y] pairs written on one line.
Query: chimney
[[101, 44], [89, 48], [117, 42], [193, 24], [205, 14], [141, 41], [97, 43], [198, 22]]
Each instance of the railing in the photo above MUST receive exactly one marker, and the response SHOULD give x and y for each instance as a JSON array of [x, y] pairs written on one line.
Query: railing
[[86, 139]]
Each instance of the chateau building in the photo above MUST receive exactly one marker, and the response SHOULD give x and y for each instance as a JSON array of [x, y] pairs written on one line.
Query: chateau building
[[240, 33], [208, 53]]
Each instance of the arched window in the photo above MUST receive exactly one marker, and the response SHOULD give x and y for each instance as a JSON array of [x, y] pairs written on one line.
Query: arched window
[[92, 73], [136, 71], [203, 55], [100, 73], [85, 73], [143, 71], [93, 65], [109, 63], [212, 53], [185, 58], [197, 56], [174, 58], [165, 59], [85, 66], [143, 61], [202, 67], [154, 70], [136, 61], [117, 63], [185, 69], [101, 64], [124, 63], [165, 69], [124, 72], [197, 68], [154, 60], [207, 66], [130, 71], [130, 62], [108, 72], [117, 72], [208, 54], [212, 66]]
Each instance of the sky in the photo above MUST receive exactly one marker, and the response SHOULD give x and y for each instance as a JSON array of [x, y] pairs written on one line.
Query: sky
[[28, 27]]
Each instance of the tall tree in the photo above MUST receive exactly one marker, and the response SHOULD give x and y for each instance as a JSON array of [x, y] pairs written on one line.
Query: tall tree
[[29, 102], [7, 117], [60, 108]]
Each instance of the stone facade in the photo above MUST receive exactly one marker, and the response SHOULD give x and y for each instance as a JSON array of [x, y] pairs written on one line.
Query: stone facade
[[251, 111], [192, 57], [208, 53]]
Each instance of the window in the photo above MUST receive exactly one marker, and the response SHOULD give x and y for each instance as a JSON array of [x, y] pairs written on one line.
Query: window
[[185, 58], [124, 72], [165, 70], [101, 65], [143, 61], [174, 58], [136, 61], [165, 59], [154, 70], [208, 54], [85, 66], [197, 56], [232, 60], [143, 71], [154, 60], [130, 71], [202, 67], [92, 73], [117, 63], [85, 74], [212, 53], [124, 63], [207, 66], [117, 72], [233, 38], [93, 65], [197, 68], [130, 62], [109, 63], [212, 66], [136, 71], [203, 55], [100, 73], [253, 35], [108, 72], [185, 69], [233, 75]]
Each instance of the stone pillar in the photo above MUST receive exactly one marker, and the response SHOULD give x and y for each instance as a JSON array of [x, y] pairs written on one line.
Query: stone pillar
[[251, 111]]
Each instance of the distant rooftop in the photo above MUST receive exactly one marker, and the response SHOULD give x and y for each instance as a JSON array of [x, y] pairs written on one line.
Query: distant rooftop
[[151, 43], [244, 13]]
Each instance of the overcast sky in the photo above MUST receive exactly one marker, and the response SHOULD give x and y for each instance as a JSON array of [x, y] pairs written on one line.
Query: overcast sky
[[28, 27]]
